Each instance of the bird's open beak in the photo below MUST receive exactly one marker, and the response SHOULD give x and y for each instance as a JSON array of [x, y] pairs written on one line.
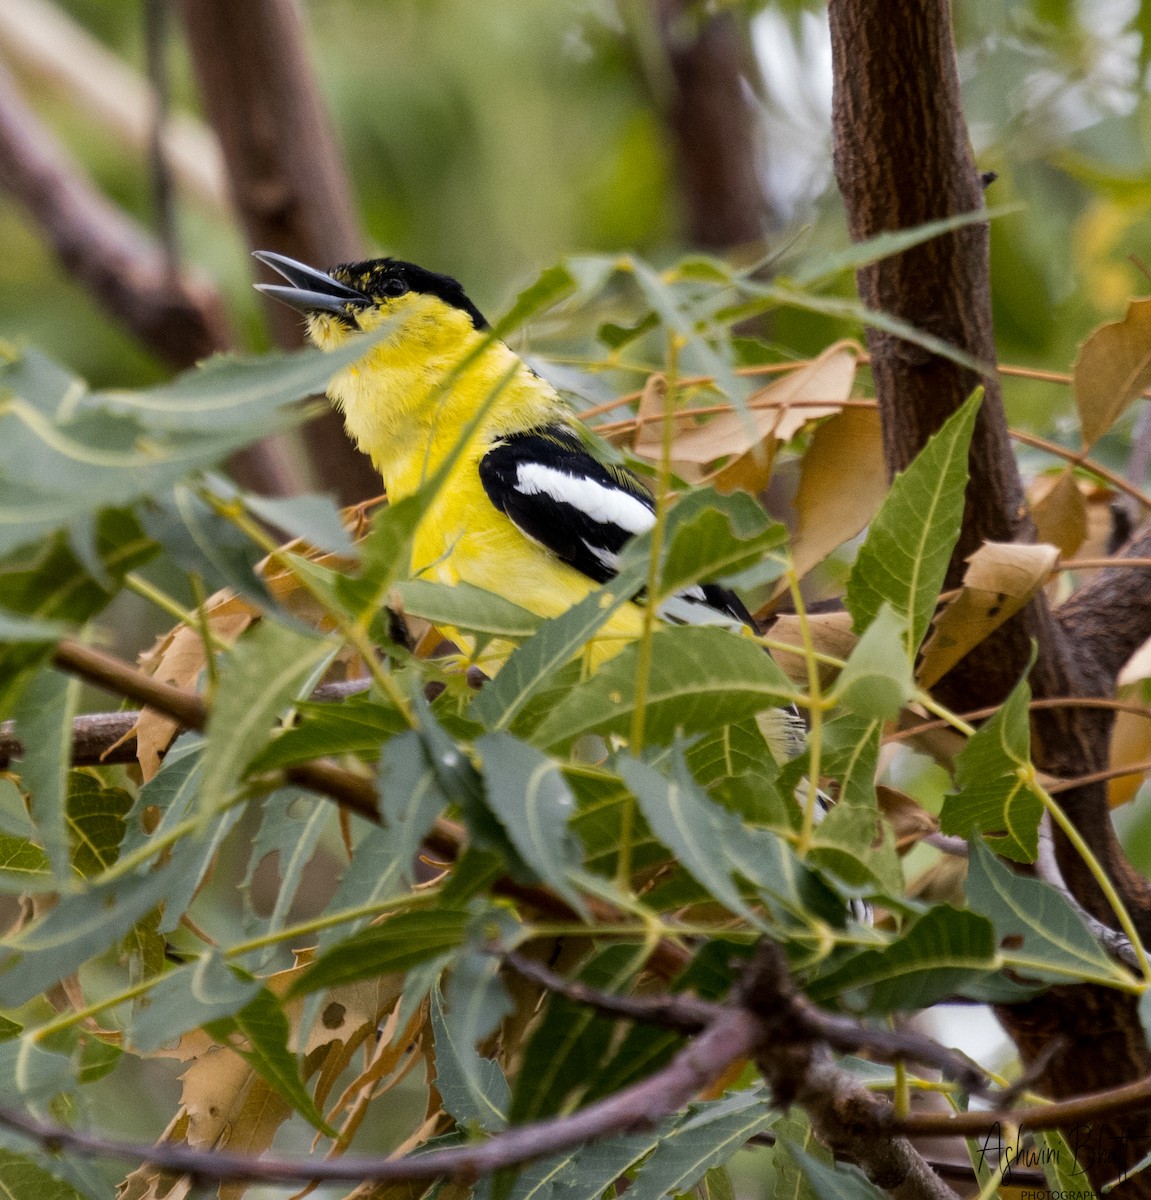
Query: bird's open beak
[[312, 291]]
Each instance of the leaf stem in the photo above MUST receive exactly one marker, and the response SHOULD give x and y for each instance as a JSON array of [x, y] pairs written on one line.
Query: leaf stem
[[815, 705], [1095, 867]]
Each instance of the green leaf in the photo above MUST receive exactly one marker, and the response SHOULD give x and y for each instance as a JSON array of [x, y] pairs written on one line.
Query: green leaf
[[877, 680], [383, 864], [1052, 933], [708, 1136], [65, 453], [904, 557], [943, 951], [857, 846], [700, 677], [385, 556], [290, 830], [884, 245], [315, 519], [830, 1181], [556, 643], [23, 1179], [398, 944], [530, 797], [264, 1027], [357, 725], [473, 1088], [17, 628], [466, 607], [709, 536], [187, 998], [572, 1040], [96, 821], [583, 1174], [24, 866], [44, 716], [259, 677], [205, 543], [992, 772], [77, 929], [711, 843], [552, 285], [851, 755]]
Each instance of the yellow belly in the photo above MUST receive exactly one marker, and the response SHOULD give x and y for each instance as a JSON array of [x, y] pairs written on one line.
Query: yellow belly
[[464, 537]]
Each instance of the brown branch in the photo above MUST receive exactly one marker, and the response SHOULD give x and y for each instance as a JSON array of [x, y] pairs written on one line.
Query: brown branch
[[903, 158], [286, 178], [731, 1037], [181, 319], [689, 1014], [349, 790]]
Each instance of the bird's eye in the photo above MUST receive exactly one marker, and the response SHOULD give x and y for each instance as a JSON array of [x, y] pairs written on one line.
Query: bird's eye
[[393, 287]]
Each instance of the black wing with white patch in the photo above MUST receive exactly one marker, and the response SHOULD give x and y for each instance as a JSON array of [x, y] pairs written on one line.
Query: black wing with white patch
[[584, 511]]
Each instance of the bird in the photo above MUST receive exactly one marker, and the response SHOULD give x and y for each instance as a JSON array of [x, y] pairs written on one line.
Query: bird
[[527, 508]]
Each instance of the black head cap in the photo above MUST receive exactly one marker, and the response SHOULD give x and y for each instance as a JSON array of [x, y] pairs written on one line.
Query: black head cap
[[386, 278]]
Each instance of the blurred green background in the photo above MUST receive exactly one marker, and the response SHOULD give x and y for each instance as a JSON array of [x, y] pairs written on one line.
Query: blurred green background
[[487, 140]]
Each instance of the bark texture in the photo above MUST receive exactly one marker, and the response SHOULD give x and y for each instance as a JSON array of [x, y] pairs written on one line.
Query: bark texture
[[286, 178], [902, 158]]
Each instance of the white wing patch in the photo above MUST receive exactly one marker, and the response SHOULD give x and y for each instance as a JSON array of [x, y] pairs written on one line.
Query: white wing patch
[[606, 505]]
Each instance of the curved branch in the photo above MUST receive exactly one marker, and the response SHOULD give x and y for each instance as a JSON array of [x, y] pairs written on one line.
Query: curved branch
[[179, 318], [731, 1037]]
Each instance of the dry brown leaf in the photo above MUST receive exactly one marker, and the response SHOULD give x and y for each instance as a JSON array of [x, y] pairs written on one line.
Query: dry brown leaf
[[1130, 743], [748, 440], [910, 822], [147, 1183], [830, 634], [1000, 579], [1112, 369], [1060, 511], [842, 483]]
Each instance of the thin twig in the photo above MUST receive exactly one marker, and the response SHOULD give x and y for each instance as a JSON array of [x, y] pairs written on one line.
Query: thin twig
[[731, 1037]]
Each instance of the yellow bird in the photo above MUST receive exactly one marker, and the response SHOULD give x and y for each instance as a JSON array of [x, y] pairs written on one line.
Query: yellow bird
[[526, 509]]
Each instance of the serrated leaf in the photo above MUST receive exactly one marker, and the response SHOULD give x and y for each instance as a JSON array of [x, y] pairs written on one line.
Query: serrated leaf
[[187, 998], [473, 1088], [316, 519], [992, 771], [904, 557], [383, 864], [707, 1136], [258, 678], [530, 667], [877, 680], [96, 822], [946, 949], [24, 866], [531, 799], [1112, 369], [65, 453], [400, 943], [711, 843], [830, 1181], [700, 677], [78, 928], [23, 1179], [464, 606], [856, 846], [264, 1027], [357, 725], [569, 1044], [290, 829], [44, 716], [1052, 933], [709, 536]]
